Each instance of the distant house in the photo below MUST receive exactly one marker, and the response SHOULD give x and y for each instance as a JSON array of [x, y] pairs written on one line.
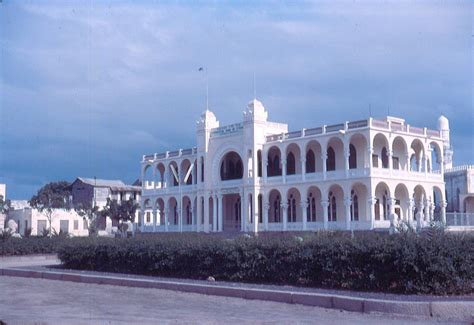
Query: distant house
[[460, 188], [95, 192], [32, 221]]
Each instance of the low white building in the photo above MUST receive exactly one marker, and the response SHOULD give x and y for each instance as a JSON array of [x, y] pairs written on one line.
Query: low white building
[[256, 176], [32, 220]]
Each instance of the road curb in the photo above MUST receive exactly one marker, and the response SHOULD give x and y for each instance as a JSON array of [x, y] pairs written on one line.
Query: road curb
[[449, 310]]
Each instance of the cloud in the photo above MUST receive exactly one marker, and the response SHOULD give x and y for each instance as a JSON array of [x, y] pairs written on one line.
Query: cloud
[[90, 87]]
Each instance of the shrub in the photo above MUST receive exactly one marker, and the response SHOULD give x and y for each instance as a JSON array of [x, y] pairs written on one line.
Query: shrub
[[30, 245], [432, 263]]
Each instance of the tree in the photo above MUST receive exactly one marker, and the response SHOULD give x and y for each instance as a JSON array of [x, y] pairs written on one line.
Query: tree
[[86, 210], [54, 195], [121, 212], [5, 205]]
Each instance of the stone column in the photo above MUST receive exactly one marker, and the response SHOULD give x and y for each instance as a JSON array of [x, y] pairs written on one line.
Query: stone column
[[444, 204], [425, 162], [304, 207], [419, 216], [347, 205], [325, 205], [390, 159], [264, 168], [167, 212], [324, 157], [283, 170], [346, 160], [219, 212], [284, 206], [370, 151], [411, 211], [266, 208], [198, 213], [431, 213], [392, 215], [255, 211], [199, 169], [206, 212], [214, 213], [142, 221], [154, 220], [242, 211], [371, 208], [303, 167], [407, 165]]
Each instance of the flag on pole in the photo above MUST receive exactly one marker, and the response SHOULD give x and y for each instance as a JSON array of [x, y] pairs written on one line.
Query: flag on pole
[[175, 174], [188, 173]]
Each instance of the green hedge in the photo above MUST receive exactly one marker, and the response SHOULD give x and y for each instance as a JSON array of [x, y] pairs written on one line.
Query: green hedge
[[433, 263], [31, 245]]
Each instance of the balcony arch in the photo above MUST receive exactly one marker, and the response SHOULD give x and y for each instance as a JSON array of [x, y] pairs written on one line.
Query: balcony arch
[[314, 163], [400, 153], [274, 162], [357, 151], [335, 154], [293, 162], [380, 147]]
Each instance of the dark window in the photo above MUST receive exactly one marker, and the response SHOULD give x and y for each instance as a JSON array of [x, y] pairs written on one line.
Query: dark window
[[311, 209], [384, 158], [259, 163], [310, 162], [352, 157], [331, 160], [375, 161], [332, 208], [290, 164], [291, 209], [395, 163], [231, 167], [260, 209]]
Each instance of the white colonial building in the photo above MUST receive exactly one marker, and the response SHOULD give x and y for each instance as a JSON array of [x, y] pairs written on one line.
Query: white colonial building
[[256, 176]]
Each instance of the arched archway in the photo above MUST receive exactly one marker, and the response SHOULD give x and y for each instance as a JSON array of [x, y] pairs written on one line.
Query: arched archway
[[402, 202], [359, 196], [420, 199], [357, 151], [400, 152], [173, 211], [231, 166], [314, 210], [160, 210], [335, 154], [314, 162], [382, 203], [275, 213], [160, 175], [294, 206], [436, 158], [380, 147], [293, 162], [187, 211], [274, 162], [148, 180], [336, 203], [417, 155]]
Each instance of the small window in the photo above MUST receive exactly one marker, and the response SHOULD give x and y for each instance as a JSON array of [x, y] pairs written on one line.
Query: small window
[[395, 163], [84, 226], [76, 224], [148, 217]]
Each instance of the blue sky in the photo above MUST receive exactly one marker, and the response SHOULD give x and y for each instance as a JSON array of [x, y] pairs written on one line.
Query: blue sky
[[87, 88]]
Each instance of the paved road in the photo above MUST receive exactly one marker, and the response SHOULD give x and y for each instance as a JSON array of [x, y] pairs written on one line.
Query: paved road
[[28, 301]]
